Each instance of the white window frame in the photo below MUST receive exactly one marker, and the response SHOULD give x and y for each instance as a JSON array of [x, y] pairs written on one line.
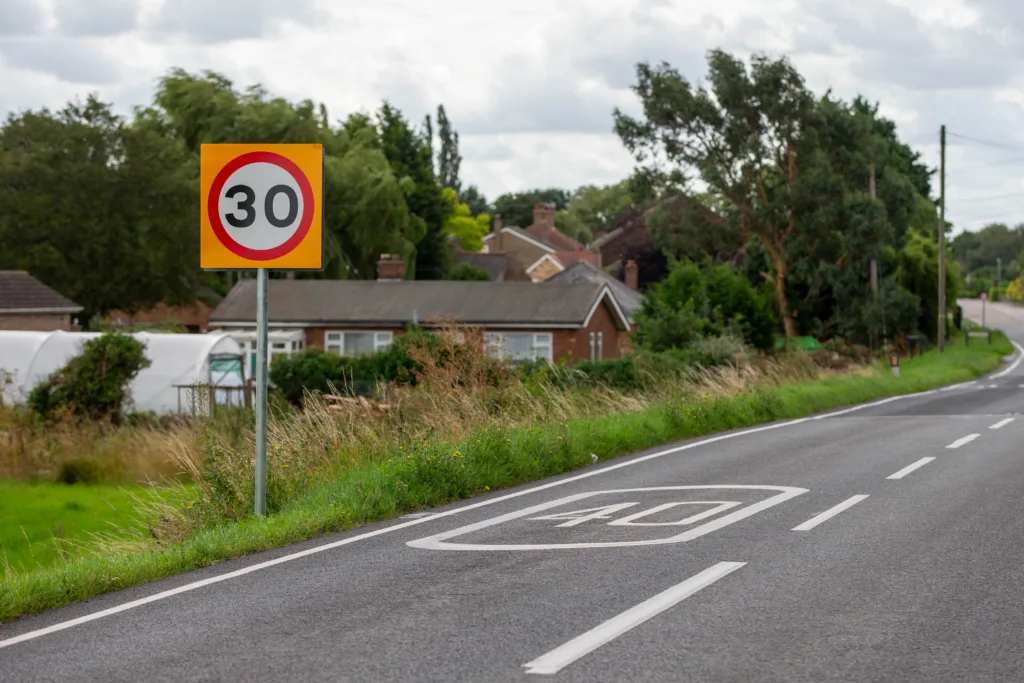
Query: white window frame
[[334, 340], [542, 345]]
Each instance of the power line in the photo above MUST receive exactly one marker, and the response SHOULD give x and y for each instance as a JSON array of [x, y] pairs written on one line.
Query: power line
[[988, 197], [988, 143]]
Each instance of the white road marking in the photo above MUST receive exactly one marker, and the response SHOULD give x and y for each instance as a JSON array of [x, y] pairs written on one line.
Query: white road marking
[[963, 441], [910, 468], [1013, 365], [871, 405], [719, 506], [438, 541], [416, 515], [582, 645], [829, 514], [993, 386], [1002, 423], [60, 626]]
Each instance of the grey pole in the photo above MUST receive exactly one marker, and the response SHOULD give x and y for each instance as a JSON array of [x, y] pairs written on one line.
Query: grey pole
[[262, 287], [942, 239]]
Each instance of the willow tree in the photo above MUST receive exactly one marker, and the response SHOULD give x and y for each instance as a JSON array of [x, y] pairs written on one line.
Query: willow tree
[[750, 137]]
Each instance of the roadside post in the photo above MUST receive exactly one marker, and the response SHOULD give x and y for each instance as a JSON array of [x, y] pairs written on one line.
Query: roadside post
[[894, 364], [984, 298], [261, 207]]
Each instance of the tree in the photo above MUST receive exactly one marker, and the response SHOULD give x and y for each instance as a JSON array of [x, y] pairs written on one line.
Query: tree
[[751, 139], [462, 224], [981, 249], [516, 208], [476, 202], [448, 159], [365, 213], [593, 209], [102, 211], [410, 158], [695, 301]]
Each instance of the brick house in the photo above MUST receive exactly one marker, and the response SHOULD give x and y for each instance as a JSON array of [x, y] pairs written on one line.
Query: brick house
[[28, 304], [630, 234], [625, 293], [194, 317], [521, 320], [542, 249]]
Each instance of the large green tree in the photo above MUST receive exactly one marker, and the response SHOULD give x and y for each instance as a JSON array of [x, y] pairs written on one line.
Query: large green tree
[[102, 211], [750, 137], [409, 155], [448, 159]]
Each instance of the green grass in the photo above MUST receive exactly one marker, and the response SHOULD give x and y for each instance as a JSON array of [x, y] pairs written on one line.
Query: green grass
[[430, 474], [43, 523]]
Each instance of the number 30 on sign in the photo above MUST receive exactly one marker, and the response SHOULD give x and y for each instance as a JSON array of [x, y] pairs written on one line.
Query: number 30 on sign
[[262, 207]]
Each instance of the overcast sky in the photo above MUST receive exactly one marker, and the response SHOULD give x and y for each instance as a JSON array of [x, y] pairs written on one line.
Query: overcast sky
[[530, 84]]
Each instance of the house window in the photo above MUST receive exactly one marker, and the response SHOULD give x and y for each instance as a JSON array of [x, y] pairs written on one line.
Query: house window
[[357, 343], [518, 347]]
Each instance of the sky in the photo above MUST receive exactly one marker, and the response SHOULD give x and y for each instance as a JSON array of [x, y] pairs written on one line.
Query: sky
[[530, 85]]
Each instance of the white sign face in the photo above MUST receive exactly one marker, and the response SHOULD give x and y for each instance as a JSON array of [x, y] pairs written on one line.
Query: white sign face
[[614, 518], [261, 206]]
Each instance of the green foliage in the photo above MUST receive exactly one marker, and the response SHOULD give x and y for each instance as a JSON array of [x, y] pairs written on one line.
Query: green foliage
[[409, 154], [474, 199], [467, 271], [94, 384], [448, 158], [102, 211], [592, 209], [919, 273], [981, 249], [461, 223], [694, 302]]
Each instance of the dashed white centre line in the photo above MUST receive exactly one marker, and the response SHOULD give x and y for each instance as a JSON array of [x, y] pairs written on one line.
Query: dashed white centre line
[[910, 468], [964, 441], [582, 645], [830, 513], [1002, 423]]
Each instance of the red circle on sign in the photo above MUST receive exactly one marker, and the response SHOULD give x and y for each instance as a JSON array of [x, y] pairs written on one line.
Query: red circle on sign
[[213, 206]]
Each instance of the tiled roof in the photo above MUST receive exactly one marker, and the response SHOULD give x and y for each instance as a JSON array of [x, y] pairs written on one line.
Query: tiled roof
[[393, 304], [629, 300], [22, 293]]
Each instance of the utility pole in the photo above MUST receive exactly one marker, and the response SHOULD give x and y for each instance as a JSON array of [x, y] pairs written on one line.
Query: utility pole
[[874, 268], [999, 271], [942, 239]]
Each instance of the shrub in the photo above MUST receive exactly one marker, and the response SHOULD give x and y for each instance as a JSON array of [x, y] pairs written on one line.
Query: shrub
[[94, 384], [695, 302]]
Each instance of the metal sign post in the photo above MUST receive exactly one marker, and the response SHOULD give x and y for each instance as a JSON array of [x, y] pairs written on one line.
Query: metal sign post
[[984, 298], [262, 210]]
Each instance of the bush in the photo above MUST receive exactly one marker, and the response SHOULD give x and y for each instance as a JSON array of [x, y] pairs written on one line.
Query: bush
[[696, 302], [94, 384]]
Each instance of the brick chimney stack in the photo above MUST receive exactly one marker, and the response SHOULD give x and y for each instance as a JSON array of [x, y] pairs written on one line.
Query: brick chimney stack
[[632, 275], [390, 268], [544, 214], [496, 223]]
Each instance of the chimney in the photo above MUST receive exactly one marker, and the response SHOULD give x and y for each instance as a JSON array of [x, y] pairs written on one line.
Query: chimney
[[632, 276], [390, 268], [496, 223], [544, 214]]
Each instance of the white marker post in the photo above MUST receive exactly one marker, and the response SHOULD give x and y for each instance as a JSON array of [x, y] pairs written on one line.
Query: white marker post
[[262, 210]]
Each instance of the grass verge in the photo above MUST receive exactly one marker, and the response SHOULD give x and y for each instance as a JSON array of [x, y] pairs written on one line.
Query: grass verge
[[45, 523], [431, 473]]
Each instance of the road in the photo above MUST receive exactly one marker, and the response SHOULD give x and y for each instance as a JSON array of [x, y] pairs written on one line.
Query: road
[[882, 543]]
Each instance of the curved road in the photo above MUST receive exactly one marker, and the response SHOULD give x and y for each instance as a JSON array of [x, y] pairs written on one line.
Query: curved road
[[880, 543]]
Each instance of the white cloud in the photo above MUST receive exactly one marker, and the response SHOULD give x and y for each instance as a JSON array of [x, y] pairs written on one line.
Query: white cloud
[[530, 85]]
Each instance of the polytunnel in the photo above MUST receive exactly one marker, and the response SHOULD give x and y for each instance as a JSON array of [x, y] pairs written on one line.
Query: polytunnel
[[177, 361]]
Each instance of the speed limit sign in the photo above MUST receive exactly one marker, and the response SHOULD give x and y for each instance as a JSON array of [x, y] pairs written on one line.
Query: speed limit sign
[[261, 207]]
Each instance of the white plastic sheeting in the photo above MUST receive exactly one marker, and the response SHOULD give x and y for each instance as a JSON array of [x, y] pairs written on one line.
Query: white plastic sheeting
[[176, 360]]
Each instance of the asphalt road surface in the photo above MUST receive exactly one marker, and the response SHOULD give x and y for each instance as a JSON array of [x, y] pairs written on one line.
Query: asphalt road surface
[[884, 543]]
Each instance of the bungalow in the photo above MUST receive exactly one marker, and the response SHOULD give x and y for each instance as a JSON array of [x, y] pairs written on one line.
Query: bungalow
[[542, 249], [625, 293], [521, 320], [28, 304]]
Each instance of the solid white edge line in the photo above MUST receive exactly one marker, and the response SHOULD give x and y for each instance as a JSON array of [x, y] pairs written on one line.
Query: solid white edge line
[[1002, 423], [910, 468], [963, 441], [582, 645], [1014, 364], [830, 513], [422, 520]]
